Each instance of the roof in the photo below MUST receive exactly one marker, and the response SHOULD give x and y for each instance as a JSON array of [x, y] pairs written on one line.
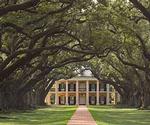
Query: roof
[[83, 78]]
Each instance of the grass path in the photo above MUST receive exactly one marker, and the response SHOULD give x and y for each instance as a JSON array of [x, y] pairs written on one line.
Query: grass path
[[107, 115], [45, 116]]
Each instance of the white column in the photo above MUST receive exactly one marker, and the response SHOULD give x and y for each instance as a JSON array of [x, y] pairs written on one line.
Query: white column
[[48, 99], [77, 92], [66, 92], [107, 95], [56, 93], [87, 92], [97, 93], [118, 97]]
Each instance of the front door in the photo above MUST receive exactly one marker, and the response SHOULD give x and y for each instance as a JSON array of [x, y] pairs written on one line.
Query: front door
[[82, 99]]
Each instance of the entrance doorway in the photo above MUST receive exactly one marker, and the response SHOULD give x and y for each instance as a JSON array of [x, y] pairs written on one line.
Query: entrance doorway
[[82, 99]]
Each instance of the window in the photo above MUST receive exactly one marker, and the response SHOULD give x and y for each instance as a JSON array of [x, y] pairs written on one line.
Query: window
[[82, 86], [52, 99], [62, 87], [92, 100], [72, 100], [71, 87], [103, 87], [93, 87]]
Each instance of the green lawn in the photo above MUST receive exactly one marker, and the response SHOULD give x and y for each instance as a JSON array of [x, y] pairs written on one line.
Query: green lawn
[[45, 116], [107, 115]]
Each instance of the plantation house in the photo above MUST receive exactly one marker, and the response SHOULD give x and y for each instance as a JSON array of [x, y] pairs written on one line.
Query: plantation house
[[82, 90]]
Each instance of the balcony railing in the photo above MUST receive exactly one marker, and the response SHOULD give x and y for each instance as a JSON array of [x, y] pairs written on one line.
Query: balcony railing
[[72, 89], [82, 89], [102, 89], [92, 89], [60, 89]]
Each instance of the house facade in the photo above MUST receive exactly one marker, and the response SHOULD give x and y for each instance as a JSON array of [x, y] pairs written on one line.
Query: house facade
[[82, 90]]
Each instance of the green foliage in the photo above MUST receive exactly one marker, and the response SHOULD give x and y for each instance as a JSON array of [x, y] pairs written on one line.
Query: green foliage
[[46, 39], [44, 116], [119, 116]]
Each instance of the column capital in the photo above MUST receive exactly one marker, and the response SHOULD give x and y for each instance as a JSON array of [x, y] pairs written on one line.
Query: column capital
[[66, 81]]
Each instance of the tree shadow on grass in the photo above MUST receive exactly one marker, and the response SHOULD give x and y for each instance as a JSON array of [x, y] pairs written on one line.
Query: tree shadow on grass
[[6, 117], [45, 116], [119, 116]]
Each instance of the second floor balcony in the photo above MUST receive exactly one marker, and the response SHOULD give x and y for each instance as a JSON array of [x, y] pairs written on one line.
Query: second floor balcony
[[81, 87]]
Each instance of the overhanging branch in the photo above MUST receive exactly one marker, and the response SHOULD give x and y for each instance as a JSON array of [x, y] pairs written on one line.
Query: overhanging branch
[[17, 7], [143, 10]]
